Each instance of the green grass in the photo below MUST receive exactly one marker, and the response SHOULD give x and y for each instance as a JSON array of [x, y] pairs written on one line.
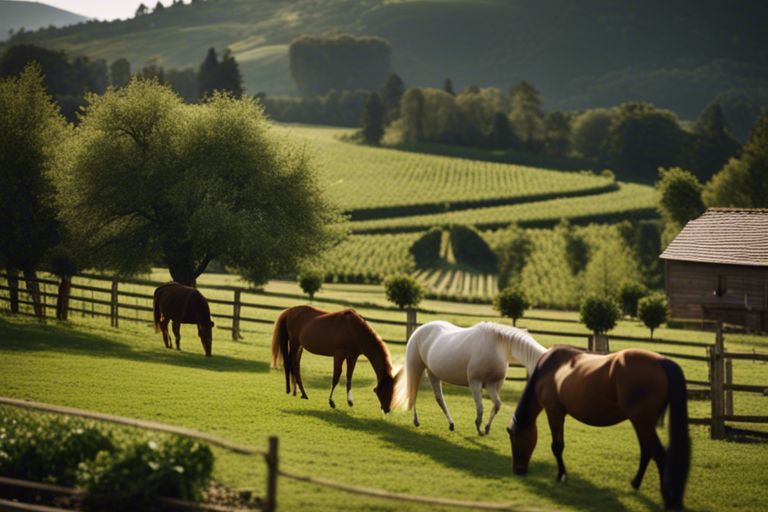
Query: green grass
[[86, 364]]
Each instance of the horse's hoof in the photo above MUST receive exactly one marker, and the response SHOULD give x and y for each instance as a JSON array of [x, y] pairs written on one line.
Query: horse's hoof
[[330, 402], [487, 429], [635, 484], [561, 478], [350, 403], [415, 423], [304, 397], [451, 427]]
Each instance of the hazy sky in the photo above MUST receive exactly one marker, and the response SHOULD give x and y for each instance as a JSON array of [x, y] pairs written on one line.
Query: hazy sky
[[103, 9]]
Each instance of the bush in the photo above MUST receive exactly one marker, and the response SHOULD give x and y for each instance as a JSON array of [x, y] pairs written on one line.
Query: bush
[[653, 310], [599, 315], [630, 293], [311, 281], [132, 478], [403, 291], [511, 302]]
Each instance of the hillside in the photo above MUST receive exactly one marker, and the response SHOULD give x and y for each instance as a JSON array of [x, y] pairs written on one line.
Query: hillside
[[580, 54], [32, 16]]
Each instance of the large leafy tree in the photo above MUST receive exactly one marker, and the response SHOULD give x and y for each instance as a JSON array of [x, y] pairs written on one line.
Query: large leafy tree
[[743, 182], [151, 180], [526, 115], [32, 129]]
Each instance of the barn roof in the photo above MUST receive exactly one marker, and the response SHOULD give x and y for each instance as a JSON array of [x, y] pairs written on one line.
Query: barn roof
[[730, 236]]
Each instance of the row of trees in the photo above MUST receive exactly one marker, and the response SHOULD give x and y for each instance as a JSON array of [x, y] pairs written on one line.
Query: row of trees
[[69, 81], [145, 179]]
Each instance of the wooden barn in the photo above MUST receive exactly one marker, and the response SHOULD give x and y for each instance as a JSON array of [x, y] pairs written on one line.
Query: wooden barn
[[717, 268]]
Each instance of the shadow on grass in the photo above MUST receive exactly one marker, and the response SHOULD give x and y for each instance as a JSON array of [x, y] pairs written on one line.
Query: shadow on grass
[[33, 337], [484, 462]]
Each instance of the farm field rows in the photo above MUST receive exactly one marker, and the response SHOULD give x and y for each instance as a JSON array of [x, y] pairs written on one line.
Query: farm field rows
[[84, 363]]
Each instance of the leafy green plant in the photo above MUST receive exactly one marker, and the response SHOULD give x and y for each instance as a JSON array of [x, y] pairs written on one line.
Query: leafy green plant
[[311, 281], [599, 314], [629, 294], [653, 310], [511, 302], [403, 291]]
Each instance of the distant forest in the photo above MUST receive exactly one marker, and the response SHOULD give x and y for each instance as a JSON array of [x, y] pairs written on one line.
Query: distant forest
[[579, 54]]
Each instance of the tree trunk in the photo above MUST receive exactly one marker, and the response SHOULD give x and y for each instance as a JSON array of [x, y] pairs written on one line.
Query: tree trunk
[[13, 285], [33, 287], [183, 273], [62, 299]]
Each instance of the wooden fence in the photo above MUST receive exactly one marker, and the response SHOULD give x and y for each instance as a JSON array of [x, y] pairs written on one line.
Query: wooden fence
[[270, 455], [112, 301]]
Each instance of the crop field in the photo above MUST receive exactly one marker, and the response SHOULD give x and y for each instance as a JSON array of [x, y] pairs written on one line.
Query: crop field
[[84, 363]]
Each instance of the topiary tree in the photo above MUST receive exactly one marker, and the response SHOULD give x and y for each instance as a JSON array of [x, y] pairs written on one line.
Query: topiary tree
[[511, 302], [599, 314], [653, 310], [311, 281], [630, 293], [403, 291]]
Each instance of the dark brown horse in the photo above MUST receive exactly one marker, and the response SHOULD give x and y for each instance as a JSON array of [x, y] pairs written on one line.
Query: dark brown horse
[[343, 335], [603, 390], [181, 304]]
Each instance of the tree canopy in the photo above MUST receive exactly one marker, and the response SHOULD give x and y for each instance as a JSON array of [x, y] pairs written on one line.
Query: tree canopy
[[147, 179]]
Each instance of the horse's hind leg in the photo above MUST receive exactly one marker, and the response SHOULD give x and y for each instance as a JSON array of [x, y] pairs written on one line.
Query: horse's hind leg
[[493, 392], [351, 362], [650, 447], [338, 360], [177, 333], [297, 373], [164, 330], [437, 387], [477, 393]]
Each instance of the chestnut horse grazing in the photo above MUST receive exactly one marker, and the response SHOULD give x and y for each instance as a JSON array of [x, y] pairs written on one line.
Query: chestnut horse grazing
[[343, 335], [475, 356], [603, 390], [182, 305]]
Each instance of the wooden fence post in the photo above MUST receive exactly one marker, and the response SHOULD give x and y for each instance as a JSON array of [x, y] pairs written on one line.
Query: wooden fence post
[[410, 323], [270, 500], [62, 298], [113, 312], [236, 316], [729, 391], [717, 423], [13, 290]]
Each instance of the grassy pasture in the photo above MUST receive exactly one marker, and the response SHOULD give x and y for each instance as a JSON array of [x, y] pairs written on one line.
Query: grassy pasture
[[84, 363]]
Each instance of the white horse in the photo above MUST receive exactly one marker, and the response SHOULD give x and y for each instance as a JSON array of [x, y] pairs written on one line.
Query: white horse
[[474, 356]]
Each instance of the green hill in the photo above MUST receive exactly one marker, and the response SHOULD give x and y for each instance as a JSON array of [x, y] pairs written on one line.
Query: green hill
[[32, 16], [579, 53]]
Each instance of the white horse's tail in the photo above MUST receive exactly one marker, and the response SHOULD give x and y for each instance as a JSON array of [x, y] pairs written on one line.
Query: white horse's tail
[[408, 378]]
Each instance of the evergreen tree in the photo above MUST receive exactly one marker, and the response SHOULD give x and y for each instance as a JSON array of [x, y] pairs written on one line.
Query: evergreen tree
[[208, 74], [391, 94], [141, 10], [373, 120], [448, 87], [713, 143], [412, 112], [159, 7], [526, 115], [501, 135], [229, 77], [557, 133], [120, 73]]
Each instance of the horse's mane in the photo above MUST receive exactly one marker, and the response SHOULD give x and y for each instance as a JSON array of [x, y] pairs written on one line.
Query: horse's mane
[[532, 350], [522, 415], [383, 346]]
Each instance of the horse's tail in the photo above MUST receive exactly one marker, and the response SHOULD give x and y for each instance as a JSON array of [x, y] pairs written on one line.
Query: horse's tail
[[408, 378], [156, 309], [280, 341], [678, 457]]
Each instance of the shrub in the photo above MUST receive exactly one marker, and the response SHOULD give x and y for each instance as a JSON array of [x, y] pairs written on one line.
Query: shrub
[[44, 449], [132, 478], [599, 314], [630, 293], [653, 311], [403, 291], [311, 281], [511, 302]]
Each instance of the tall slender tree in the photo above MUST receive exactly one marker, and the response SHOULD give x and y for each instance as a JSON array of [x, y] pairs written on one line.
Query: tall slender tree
[[208, 74], [230, 79], [373, 120]]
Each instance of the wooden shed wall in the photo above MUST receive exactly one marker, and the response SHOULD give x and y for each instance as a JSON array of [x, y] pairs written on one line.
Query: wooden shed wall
[[691, 292]]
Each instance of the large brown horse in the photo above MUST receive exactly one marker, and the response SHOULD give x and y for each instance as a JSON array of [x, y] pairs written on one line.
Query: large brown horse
[[181, 304], [343, 335], [603, 390]]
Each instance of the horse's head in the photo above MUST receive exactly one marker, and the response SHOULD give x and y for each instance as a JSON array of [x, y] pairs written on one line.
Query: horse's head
[[384, 391], [205, 331], [523, 441]]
